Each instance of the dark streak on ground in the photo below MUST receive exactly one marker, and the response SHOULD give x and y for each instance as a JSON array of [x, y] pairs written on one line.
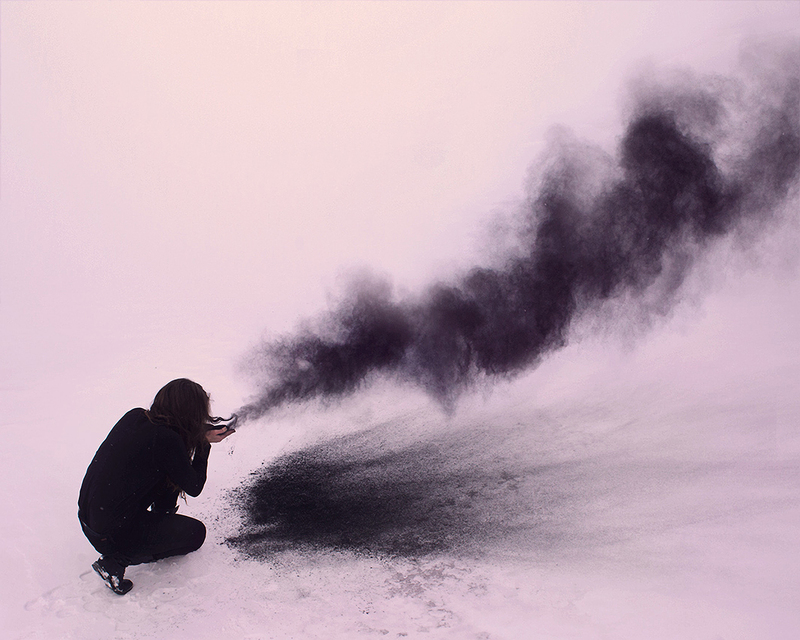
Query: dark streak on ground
[[495, 491], [357, 493]]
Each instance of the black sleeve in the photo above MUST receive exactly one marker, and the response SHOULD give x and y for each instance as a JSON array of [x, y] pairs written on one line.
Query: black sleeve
[[172, 459], [165, 498]]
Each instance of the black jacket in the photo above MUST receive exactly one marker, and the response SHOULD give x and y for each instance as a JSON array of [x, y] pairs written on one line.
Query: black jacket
[[131, 469]]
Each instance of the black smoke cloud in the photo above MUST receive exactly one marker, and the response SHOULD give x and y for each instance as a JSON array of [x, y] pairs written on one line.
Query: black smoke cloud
[[699, 158]]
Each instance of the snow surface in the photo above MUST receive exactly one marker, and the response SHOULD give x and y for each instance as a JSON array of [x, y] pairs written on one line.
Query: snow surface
[[665, 505], [152, 228]]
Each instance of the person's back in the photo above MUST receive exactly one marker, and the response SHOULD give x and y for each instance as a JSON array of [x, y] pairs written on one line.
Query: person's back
[[130, 464]]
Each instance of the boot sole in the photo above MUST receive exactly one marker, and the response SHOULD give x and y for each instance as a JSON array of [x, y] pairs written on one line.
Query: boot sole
[[120, 587]]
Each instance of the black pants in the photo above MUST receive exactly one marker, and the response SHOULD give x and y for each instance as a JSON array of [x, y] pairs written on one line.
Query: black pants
[[153, 536]]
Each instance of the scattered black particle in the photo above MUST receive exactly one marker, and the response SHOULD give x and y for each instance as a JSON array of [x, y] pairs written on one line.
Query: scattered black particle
[[359, 494]]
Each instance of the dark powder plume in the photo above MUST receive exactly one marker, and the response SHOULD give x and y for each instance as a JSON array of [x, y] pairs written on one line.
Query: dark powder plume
[[698, 160]]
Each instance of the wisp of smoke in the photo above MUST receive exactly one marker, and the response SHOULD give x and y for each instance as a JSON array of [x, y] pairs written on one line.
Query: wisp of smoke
[[699, 159]]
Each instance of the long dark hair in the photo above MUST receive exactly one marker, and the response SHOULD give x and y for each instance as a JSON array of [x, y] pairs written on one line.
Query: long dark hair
[[185, 407]]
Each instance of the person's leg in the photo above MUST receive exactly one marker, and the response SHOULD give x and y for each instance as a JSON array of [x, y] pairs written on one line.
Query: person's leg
[[158, 536], [154, 536], [110, 566]]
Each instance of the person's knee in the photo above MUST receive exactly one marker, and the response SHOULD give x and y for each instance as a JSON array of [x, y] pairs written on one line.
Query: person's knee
[[197, 535]]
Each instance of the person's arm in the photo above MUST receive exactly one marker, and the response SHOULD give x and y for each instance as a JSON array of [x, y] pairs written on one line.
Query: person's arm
[[165, 498], [172, 459]]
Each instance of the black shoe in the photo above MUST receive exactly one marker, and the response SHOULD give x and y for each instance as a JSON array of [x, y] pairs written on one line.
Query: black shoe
[[112, 575]]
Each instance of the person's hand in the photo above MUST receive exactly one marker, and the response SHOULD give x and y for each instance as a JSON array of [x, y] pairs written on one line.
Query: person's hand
[[218, 435]]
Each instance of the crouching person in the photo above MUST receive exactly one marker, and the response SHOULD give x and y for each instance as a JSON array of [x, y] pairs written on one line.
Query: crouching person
[[128, 500]]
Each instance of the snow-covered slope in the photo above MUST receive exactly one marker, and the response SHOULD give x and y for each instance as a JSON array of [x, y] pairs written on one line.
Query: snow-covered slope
[[621, 493]]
